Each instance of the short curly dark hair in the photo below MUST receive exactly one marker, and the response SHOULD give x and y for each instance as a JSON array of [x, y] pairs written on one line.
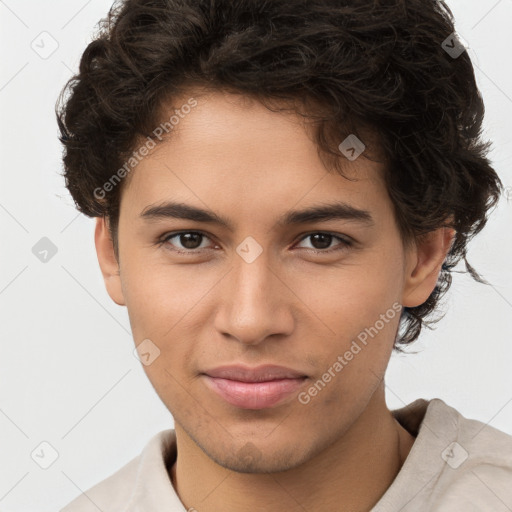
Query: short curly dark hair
[[360, 67]]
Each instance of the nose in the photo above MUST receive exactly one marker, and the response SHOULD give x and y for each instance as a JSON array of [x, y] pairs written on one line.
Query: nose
[[255, 302]]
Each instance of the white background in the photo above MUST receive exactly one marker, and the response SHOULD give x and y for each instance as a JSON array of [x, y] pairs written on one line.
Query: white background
[[68, 374]]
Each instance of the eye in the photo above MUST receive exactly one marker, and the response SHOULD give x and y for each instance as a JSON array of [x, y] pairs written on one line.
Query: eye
[[190, 241], [321, 240]]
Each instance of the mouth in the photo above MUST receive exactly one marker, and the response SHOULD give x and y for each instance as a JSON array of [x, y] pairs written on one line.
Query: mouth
[[254, 388]]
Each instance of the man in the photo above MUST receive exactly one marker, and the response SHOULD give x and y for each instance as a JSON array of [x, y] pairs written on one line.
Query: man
[[282, 190]]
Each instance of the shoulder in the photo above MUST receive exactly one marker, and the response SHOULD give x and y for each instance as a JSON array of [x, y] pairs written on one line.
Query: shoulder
[[111, 494], [119, 491], [473, 441], [455, 463], [477, 469]]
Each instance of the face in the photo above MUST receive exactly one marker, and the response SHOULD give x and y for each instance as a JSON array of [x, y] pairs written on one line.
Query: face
[[260, 290]]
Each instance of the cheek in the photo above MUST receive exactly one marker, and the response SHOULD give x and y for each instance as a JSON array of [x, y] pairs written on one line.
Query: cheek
[[359, 310], [160, 295], [350, 364], [347, 299]]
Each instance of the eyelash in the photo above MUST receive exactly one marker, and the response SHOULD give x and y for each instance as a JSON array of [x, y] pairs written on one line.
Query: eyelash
[[345, 242]]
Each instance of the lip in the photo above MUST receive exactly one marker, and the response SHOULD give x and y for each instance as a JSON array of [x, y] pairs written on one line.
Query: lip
[[254, 388], [265, 372]]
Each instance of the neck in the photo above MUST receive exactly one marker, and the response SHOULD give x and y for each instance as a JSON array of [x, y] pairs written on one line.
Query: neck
[[355, 471]]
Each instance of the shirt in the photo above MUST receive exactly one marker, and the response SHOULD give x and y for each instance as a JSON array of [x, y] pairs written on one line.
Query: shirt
[[455, 464]]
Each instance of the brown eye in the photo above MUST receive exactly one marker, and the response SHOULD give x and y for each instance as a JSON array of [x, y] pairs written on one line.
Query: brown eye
[[190, 240], [321, 242], [185, 241]]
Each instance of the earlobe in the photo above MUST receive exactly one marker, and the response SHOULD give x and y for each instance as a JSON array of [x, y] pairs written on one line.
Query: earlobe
[[108, 262], [424, 264]]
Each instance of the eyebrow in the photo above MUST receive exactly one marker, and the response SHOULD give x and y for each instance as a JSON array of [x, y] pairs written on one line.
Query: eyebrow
[[317, 213]]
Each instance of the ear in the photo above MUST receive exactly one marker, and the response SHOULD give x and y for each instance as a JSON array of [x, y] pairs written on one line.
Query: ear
[[108, 262], [424, 262]]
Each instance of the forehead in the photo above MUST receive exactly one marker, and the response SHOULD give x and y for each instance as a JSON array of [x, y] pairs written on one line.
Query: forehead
[[230, 149]]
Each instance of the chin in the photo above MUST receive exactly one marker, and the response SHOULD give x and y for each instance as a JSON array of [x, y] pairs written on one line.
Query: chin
[[260, 457]]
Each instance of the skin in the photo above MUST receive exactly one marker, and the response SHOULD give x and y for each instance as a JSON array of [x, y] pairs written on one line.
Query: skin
[[291, 306]]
